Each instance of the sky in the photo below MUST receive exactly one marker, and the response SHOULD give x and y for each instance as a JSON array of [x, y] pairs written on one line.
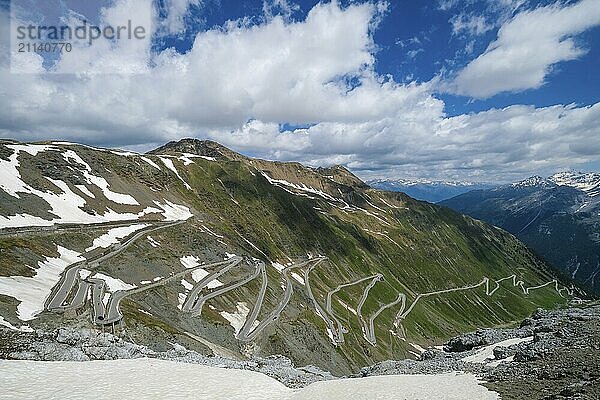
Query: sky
[[474, 90]]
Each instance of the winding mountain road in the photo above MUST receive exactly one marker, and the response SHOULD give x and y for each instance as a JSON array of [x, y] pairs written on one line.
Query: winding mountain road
[[61, 291], [65, 297]]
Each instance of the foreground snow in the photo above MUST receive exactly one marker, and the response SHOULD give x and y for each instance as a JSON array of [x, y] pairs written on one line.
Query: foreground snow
[[149, 378]]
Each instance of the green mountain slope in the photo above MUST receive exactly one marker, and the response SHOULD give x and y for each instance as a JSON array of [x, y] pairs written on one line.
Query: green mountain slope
[[411, 272]]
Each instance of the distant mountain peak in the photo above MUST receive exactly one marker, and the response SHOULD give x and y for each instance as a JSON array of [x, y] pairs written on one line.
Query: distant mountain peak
[[424, 181], [588, 182], [534, 180]]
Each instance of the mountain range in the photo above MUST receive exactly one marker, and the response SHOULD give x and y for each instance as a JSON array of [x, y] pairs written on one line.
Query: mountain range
[[193, 243], [428, 190], [558, 217]]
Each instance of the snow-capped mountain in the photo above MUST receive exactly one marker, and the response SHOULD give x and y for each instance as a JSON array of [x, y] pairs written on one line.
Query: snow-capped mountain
[[428, 190], [558, 216], [587, 182]]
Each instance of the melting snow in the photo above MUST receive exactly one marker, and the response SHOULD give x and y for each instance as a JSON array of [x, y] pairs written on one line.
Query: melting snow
[[277, 266], [23, 328], [298, 278], [301, 187], [99, 181], [113, 236], [152, 242], [114, 284], [174, 212], [149, 161], [169, 164], [189, 261], [186, 284], [151, 378], [238, 318], [32, 292], [199, 273], [486, 353], [418, 348]]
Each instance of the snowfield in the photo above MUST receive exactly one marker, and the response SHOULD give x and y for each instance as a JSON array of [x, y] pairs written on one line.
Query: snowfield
[[158, 379], [33, 291], [486, 354]]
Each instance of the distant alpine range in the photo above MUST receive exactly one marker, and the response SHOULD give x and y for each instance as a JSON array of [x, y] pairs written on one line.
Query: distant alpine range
[[429, 190], [558, 216]]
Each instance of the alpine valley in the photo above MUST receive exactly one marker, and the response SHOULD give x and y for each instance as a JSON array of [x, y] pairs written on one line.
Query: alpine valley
[[558, 217]]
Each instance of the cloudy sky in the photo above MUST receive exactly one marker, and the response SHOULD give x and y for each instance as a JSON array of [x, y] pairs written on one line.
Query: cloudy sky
[[478, 90]]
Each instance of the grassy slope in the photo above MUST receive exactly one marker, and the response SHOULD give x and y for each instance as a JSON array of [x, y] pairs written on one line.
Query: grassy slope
[[425, 248]]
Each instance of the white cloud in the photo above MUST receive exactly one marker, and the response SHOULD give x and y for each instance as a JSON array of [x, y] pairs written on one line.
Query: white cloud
[[526, 48], [239, 82], [503, 144], [470, 24], [284, 8], [176, 12]]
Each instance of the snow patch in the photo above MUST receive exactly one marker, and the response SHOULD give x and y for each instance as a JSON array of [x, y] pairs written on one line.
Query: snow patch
[[189, 261], [149, 161], [298, 278], [85, 191], [99, 181], [174, 212], [486, 354], [114, 284], [279, 267], [32, 292], [159, 379], [153, 242], [23, 328], [186, 284], [199, 273], [169, 164], [238, 318], [113, 235]]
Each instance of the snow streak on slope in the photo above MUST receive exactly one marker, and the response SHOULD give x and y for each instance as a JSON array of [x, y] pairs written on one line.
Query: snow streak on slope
[[99, 181], [169, 164], [159, 379], [113, 235], [32, 292], [303, 188], [64, 203]]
